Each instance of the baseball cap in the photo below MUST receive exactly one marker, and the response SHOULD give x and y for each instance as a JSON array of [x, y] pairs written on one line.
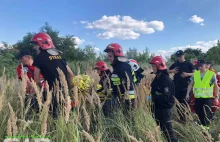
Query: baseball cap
[[23, 53], [201, 62], [179, 53]]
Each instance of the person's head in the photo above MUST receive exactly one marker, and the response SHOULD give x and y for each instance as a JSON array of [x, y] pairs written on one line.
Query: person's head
[[25, 58], [101, 67], [158, 64], [42, 41], [114, 50], [180, 56], [134, 65], [202, 65], [209, 65]]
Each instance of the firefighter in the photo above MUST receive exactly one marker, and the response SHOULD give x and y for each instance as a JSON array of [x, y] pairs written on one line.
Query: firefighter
[[136, 71], [105, 91], [162, 91], [121, 78], [183, 70], [204, 84], [46, 63], [26, 60]]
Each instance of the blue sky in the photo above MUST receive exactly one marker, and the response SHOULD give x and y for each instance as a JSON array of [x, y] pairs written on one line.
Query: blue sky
[[162, 26]]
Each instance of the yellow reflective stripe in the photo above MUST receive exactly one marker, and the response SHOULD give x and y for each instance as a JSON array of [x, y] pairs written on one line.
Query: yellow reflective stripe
[[115, 79]]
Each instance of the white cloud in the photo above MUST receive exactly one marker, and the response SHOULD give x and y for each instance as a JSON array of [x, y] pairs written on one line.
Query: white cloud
[[203, 45], [84, 22], [78, 41], [202, 24], [197, 20], [124, 27]]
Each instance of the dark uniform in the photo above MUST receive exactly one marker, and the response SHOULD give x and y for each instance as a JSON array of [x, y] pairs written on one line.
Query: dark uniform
[[162, 91], [120, 83], [181, 84], [48, 65], [104, 92]]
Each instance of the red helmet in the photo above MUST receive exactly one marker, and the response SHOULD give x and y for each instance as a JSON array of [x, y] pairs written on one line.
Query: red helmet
[[101, 65], [115, 48], [44, 40], [195, 62], [159, 62]]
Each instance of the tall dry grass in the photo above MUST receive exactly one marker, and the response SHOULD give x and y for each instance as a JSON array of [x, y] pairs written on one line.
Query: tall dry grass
[[86, 122]]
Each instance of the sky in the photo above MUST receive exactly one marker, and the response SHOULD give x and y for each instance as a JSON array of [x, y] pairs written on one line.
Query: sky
[[163, 26]]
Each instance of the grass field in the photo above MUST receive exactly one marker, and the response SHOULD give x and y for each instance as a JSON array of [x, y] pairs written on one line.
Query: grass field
[[86, 121]]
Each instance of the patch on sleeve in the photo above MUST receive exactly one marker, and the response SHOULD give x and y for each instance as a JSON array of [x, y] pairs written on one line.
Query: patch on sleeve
[[166, 90]]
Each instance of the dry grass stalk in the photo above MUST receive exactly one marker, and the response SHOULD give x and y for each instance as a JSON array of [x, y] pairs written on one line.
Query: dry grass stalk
[[43, 118], [9, 130], [13, 119], [98, 138], [38, 94], [63, 81], [86, 118], [96, 98], [88, 136], [67, 109], [2, 99], [133, 139], [75, 96]]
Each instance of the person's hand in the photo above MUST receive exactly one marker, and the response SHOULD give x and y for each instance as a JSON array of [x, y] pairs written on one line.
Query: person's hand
[[175, 70], [187, 97], [184, 74]]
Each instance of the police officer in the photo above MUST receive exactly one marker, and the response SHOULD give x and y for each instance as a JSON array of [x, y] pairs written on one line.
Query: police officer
[[136, 71], [121, 78], [204, 84], [162, 91], [46, 62], [104, 92], [183, 70]]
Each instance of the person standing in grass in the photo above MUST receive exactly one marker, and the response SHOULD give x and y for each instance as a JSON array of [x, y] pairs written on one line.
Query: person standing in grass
[[204, 85], [183, 70], [104, 92], [47, 61], [26, 60], [162, 91], [121, 78]]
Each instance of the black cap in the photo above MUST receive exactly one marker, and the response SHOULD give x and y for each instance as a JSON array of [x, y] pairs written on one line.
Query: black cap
[[201, 62], [179, 53], [23, 53], [208, 62]]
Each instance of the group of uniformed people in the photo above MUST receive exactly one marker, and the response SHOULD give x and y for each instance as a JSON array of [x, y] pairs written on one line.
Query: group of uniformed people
[[117, 87]]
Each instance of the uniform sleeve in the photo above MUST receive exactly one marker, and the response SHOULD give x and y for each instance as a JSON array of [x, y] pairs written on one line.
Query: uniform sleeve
[[172, 66], [191, 67], [167, 92], [64, 62], [213, 80]]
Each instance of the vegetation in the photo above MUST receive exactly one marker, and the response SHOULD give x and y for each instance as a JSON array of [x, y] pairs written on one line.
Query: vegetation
[[85, 122]]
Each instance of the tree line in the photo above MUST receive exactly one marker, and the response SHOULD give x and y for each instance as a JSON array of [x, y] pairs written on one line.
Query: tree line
[[87, 54]]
